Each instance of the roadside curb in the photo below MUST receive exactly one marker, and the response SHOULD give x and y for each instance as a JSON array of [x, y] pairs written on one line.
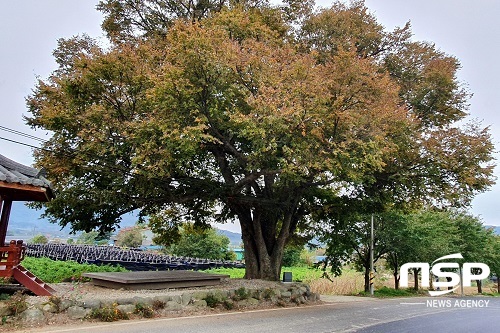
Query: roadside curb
[[344, 299]]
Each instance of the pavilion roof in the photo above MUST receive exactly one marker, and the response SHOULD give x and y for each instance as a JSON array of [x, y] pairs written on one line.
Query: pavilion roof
[[20, 182]]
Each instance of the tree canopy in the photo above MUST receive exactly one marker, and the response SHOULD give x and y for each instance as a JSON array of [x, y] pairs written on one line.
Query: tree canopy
[[201, 243], [279, 117]]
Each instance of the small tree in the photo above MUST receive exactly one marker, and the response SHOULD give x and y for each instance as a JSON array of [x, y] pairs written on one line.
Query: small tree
[[92, 238], [200, 243], [291, 256], [39, 239], [493, 257], [130, 237]]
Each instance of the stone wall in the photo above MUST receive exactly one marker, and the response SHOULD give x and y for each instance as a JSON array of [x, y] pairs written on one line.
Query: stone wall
[[40, 312]]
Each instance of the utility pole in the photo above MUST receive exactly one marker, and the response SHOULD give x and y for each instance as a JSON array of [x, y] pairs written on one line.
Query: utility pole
[[371, 258]]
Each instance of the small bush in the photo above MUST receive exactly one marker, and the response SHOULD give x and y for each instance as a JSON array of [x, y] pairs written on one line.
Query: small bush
[[56, 300], [158, 305], [213, 300], [241, 294], [17, 303], [108, 313], [228, 304], [144, 311], [268, 293]]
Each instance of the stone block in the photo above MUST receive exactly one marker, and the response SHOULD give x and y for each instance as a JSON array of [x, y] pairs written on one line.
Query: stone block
[[33, 316], [186, 299], [126, 308], [65, 304], [50, 307], [199, 294], [200, 303], [163, 299], [4, 309], [122, 301], [286, 294], [78, 312], [92, 304], [173, 306]]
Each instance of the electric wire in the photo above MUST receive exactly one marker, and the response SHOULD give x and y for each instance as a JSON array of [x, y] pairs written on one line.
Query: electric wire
[[67, 153], [26, 135]]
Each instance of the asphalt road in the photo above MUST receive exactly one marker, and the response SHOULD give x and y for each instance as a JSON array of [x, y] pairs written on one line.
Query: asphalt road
[[342, 315]]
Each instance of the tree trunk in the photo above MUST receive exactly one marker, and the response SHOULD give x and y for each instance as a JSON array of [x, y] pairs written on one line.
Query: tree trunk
[[479, 286], [367, 279], [448, 279], [396, 280], [396, 271], [415, 277], [263, 243]]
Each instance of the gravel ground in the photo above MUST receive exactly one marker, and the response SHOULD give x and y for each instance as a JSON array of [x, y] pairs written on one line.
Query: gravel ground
[[87, 291]]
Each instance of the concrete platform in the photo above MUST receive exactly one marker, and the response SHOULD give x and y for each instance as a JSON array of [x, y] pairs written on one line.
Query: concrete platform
[[155, 280]]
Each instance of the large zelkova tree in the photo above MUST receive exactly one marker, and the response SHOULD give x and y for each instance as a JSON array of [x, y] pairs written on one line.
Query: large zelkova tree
[[274, 116]]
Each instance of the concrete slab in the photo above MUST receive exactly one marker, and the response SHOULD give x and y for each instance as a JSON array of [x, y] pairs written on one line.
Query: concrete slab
[[155, 279]]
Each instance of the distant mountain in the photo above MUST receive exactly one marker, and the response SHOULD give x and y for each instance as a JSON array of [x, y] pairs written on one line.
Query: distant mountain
[[234, 238], [495, 228], [25, 222]]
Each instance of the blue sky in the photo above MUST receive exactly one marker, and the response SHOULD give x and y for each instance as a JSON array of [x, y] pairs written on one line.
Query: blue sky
[[469, 30]]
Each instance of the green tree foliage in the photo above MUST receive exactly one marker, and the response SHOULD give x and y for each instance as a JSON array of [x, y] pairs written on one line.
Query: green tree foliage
[[278, 117], [130, 237], [350, 242], [292, 256], [428, 235], [200, 243], [93, 238], [399, 238], [493, 257], [39, 239]]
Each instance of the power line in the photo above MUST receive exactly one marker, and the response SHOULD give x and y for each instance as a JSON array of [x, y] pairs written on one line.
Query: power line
[[21, 143], [26, 135], [67, 153]]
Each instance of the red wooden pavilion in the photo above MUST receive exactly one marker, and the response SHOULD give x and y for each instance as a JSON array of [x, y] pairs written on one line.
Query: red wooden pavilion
[[19, 182]]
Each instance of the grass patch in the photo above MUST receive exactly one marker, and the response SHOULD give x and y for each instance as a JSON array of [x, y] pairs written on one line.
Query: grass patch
[[386, 292], [52, 271], [299, 274], [493, 294]]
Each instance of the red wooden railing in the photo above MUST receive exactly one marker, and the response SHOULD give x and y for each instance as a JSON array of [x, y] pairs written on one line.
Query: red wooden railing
[[10, 257]]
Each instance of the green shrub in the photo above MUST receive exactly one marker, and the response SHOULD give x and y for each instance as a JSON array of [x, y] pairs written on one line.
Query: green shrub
[[108, 313], [144, 311], [268, 293], [228, 304], [241, 294], [213, 300], [291, 256]]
